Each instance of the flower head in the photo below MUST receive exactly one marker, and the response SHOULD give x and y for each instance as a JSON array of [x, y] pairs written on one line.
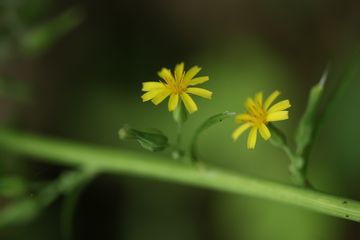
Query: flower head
[[178, 86], [258, 115]]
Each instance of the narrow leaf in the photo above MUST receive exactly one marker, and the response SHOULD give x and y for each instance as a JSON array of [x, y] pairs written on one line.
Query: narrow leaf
[[307, 125]]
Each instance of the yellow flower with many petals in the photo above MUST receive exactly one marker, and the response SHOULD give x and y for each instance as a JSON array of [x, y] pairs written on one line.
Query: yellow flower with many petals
[[258, 115], [178, 86]]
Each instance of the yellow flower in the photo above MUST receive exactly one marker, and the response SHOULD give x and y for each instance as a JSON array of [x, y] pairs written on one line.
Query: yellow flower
[[258, 115], [178, 86]]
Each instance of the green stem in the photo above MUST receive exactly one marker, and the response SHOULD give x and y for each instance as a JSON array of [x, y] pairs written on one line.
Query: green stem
[[24, 210], [152, 166], [178, 135], [177, 152], [296, 168], [215, 119], [70, 202]]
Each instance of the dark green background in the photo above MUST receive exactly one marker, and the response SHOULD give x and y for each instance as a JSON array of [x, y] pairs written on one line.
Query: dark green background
[[87, 83]]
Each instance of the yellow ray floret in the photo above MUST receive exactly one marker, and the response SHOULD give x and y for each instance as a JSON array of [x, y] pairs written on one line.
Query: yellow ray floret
[[259, 114], [177, 86]]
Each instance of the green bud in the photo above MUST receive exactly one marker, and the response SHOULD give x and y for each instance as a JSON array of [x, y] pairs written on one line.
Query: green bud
[[126, 133], [152, 140], [180, 114]]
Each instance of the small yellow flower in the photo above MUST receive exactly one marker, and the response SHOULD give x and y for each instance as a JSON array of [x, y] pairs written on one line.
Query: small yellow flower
[[178, 86], [258, 115]]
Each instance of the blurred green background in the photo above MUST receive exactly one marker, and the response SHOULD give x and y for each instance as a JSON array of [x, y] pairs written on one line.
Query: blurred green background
[[73, 69]]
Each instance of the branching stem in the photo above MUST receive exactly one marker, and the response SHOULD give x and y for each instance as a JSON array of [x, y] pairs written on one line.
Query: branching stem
[[152, 166]]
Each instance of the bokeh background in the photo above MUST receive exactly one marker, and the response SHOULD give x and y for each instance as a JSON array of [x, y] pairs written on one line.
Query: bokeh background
[[73, 69]]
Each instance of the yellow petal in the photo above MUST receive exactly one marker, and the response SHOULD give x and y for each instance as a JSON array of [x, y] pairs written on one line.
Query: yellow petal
[[251, 106], [191, 73], [200, 92], [150, 95], [243, 117], [148, 86], [179, 71], [189, 103], [271, 99], [236, 134], [259, 98], [264, 131], [277, 116], [164, 93], [166, 75], [173, 102], [198, 80], [280, 106], [252, 138]]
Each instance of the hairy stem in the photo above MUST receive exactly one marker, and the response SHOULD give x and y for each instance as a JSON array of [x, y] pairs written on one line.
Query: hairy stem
[[151, 166]]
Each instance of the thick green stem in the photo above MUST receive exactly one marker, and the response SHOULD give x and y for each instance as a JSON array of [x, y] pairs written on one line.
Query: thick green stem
[[146, 165]]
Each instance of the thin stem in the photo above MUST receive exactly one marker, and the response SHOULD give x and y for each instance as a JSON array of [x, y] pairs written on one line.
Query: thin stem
[[152, 166], [215, 119], [177, 152], [70, 202], [178, 135], [26, 209], [296, 168]]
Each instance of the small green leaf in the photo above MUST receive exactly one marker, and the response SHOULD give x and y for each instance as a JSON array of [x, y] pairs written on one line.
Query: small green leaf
[[204, 126], [305, 130], [152, 140]]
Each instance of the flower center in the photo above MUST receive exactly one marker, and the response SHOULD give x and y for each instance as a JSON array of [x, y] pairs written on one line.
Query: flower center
[[259, 115], [178, 88]]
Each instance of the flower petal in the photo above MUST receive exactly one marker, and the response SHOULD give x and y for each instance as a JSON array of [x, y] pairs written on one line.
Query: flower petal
[[236, 134], [251, 106], [252, 138], [179, 72], [148, 86], [173, 102], [259, 99], [243, 117], [264, 131], [280, 106], [150, 94], [271, 99], [198, 80], [191, 73], [189, 103], [166, 75], [277, 116], [200, 92], [164, 93]]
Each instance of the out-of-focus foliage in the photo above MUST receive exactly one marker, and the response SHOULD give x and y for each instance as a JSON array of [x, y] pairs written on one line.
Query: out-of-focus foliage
[[86, 81]]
